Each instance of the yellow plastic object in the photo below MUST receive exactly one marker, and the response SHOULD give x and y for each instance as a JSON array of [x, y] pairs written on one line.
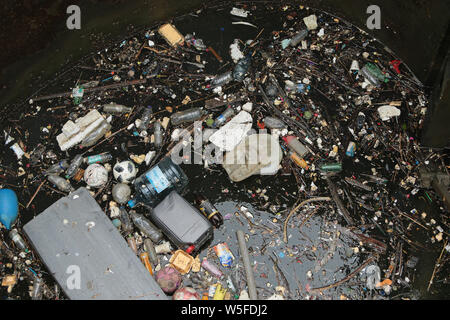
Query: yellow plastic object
[[171, 34], [181, 261], [220, 292], [145, 260]]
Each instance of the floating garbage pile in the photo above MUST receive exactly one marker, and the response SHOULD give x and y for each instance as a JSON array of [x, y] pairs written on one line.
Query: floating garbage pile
[[161, 129]]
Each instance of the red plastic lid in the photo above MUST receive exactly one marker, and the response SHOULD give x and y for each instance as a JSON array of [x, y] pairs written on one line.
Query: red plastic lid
[[190, 249]]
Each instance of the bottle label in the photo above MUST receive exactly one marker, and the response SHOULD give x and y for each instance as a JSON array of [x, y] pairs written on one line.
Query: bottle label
[[157, 179], [94, 159]]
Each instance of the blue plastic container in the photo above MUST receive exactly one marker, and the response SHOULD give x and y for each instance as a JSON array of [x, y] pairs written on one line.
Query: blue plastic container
[[9, 207]]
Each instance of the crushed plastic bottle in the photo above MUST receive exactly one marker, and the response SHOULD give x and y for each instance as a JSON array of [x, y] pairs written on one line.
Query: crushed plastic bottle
[[146, 227], [146, 117], [158, 134], [298, 38], [227, 114], [274, 123], [116, 108], [61, 183], [96, 135], [99, 158], [241, 68], [57, 168], [222, 79], [74, 166], [127, 224], [189, 115], [18, 240]]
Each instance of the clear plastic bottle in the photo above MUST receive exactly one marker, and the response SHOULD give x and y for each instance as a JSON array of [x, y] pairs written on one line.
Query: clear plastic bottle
[[158, 134], [146, 227], [146, 117], [116, 108], [57, 168], [189, 115], [61, 183], [36, 293], [222, 79], [99, 158], [228, 113], [127, 224], [241, 68], [96, 135], [18, 240], [150, 248], [74, 165], [274, 123], [298, 38]]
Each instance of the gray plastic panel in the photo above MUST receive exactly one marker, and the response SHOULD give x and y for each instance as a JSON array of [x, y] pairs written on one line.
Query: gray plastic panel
[[74, 231]]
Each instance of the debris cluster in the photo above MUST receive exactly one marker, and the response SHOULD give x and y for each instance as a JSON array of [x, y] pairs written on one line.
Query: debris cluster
[[337, 205]]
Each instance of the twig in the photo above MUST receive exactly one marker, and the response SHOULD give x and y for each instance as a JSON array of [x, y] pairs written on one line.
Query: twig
[[436, 265], [285, 239], [351, 275], [34, 195]]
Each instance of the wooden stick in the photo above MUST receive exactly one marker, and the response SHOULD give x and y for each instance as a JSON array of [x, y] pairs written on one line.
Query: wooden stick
[[351, 275], [436, 265], [34, 195]]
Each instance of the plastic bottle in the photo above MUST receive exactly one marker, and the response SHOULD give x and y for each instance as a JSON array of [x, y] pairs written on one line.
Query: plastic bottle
[[96, 135], [57, 168], [150, 248], [222, 79], [132, 243], [360, 119], [116, 108], [373, 74], [209, 211], [146, 117], [155, 184], [298, 38], [127, 224], [18, 240], [158, 134], [228, 113], [74, 165], [146, 227], [36, 293], [211, 268], [274, 123], [331, 167], [298, 160], [241, 68], [61, 183], [295, 145], [98, 158], [189, 115]]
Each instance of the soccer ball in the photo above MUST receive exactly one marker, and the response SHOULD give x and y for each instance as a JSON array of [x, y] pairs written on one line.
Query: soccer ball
[[124, 171], [168, 279], [186, 293], [96, 175]]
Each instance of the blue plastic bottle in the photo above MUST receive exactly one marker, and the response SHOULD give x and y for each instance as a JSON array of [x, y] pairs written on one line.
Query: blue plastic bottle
[[155, 184], [9, 207]]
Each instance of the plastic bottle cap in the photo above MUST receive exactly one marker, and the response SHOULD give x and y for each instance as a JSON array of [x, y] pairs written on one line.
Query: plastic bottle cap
[[190, 249], [131, 203]]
